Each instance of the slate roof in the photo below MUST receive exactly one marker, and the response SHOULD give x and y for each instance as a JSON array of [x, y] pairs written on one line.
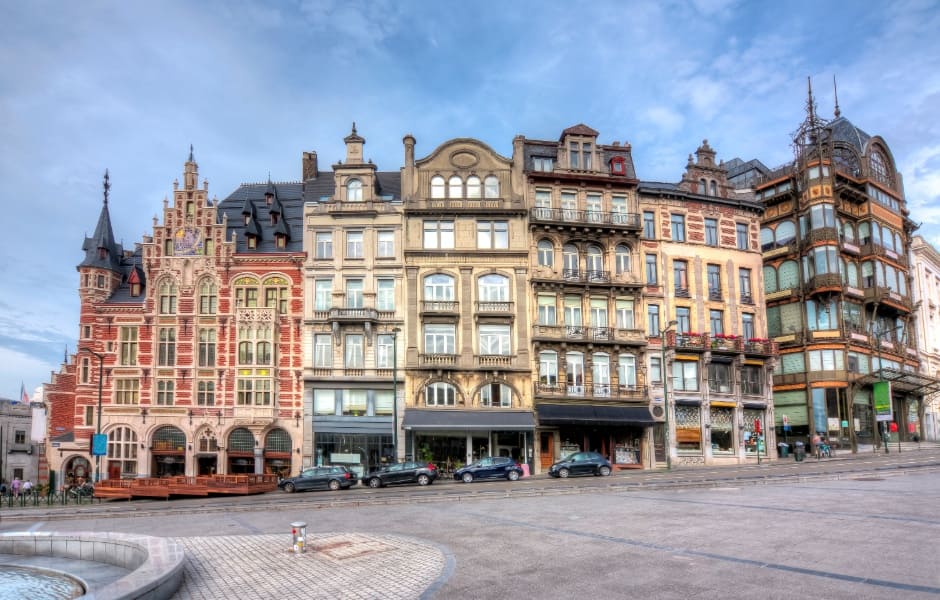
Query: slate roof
[[546, 149], [579, 129], [102, 238], [844, 131]]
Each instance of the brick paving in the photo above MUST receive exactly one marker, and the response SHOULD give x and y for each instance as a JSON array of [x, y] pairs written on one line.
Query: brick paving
[[336, 565]]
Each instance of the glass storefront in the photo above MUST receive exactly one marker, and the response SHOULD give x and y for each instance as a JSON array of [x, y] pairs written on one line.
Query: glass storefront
[[360, 452]]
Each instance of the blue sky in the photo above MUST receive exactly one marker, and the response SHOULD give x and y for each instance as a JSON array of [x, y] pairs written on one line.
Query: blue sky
[[127, 86]]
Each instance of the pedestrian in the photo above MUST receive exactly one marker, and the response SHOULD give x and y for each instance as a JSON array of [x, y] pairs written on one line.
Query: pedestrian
[[16, 487], [3, 487], [27, 487]]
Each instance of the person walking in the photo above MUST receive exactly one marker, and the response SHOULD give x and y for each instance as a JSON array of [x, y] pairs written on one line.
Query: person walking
[[15, 485], [27, 487]]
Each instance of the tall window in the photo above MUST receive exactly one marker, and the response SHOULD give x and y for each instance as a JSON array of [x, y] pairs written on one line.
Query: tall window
[[440, 338], [680, 277], [491, 187], [205, 393], [624, 314], [322, 351], [438, 287], [543, 204], [685, 376], [711, 232], [493, 234], [207, 339], [474, 187], [167, 293], [569, 254], [752, 380], [438, 234], [719, 378], [599, 312], [440, 394], [677, 227], [592, 204], [546, 253], [353, 293], [574, 373], [354, 354], [744, 283], [384, 351], [86, 371], [618, 209], [493, 288], [166, 348], [572, 310], [595, 260], [579, 155], [323, 294], [622, 259], [128, 345], [716, 322], [626, 371], [494, 339], [246, 292], [275, 293], [569, 206], [386, 244], [649, 224], [740, 230], [438, 189], [546, 304], [548, 368], [496, 395], [652, 319], [354, 190], [165, 390], [656, 369], [385, 294], [122, 450], [324, 244], [714, 282], [747, 326], [455, 187], [651, 276], [353, 244], [126, 391], [208, 297], [600, 374], [683, 319]]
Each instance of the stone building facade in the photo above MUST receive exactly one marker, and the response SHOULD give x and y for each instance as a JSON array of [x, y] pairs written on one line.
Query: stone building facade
[[925, 271]]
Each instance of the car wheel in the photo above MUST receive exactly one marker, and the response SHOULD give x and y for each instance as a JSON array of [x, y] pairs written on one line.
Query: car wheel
[[334, 485], [604, 471], [467, 477], [513, 476], [423, 479], [563, 473], [375, 482], [289, 488]]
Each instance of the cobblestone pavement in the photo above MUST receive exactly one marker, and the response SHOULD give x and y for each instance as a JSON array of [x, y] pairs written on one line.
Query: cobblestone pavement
[[336, 565]]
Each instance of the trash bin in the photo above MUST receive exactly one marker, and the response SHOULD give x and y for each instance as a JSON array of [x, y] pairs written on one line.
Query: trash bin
[[799, 451], [783, 450]]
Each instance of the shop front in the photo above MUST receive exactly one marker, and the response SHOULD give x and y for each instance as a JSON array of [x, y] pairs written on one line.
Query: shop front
[[618, 432], [453, 438], [168, 452]]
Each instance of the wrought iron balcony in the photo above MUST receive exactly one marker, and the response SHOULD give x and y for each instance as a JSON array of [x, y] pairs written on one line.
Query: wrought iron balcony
[[601, 391], [580, 276], [588, 334], [567, 216]]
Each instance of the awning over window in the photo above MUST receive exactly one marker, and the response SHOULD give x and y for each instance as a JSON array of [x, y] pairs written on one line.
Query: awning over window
[[581, 414], [462, 420], [904, 381]]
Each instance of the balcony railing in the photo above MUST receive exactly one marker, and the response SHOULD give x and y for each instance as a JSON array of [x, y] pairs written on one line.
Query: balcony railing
[[588, 334], [354, 314], [715, 294], [437, 360], [494, 360], [824, 281], [760, 347], [440, 306], [494, 307], [822, 234], [586, 217], [586, 276], [682, 292], [600, 391]]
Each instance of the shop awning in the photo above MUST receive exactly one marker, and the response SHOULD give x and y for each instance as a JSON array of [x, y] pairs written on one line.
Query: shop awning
[[904, 381], [588, 414], [461, 420]]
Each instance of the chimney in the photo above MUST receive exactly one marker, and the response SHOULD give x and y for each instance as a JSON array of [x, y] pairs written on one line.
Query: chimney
[[309, 165]]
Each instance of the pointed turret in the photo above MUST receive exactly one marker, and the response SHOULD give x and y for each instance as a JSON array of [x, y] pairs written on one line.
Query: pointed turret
[[190, 172], [101, 251], [354, 143]]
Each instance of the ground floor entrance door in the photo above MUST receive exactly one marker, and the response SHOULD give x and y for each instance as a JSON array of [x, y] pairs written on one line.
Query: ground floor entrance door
[[546, 449], [207, 465]]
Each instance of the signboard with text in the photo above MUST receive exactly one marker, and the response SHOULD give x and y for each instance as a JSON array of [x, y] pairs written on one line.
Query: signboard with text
[[881, 390]]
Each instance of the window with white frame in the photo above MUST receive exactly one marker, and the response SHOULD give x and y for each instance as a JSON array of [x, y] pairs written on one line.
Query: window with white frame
[[496, 395], [207, 340], [385, 240], [128, 346], [439, 287], [573, 310], [599, 312], [546, 253], [543, 204], [205, 393], [569, 253], [126, 391], [474, 187], [493, 234], [354, 190], [440, 394], [455, 187], [618, 209], [322, 351], [438, 189], [548, 368], [656, 369], [491, 187], [595, 260], [166, 347], [546, 308], [625, 314], [440, 338], [569, 206], [385, 294], [384, 402], [384, 351], [626, 371], [493, 288], [685, 376], [208, 297], [592, 205], [438, 234], [165, 388], [623, 262], [323, 294], [574, 373], [355, 403], [354, 296], [353, 244], [600, 373], [323, 244], [354, 351], [494, 339], [167, 293], [719, 378], [324, 402]]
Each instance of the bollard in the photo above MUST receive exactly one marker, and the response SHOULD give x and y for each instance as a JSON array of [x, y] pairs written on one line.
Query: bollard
[[298, 531]]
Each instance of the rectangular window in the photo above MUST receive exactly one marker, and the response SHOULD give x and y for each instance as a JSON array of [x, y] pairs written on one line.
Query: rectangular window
[[384, 401], [716, 322], [548, 369], [438, 234], [618, 210], [719, 378], [569, 206], [656, 369], [677, 227], [626, 371], [593, 205], [685, 376], [166, 348], [574, 155], [205, 393], [752, 380], [494, 339], [599, 312], [386, 244], [493, 234], [543, 163], [353, 293], [324, 244], [384, 351], [651, 276], [649, 224], [680, 278], [385, 294], [128, 343], [624, 314], [354, 403], [573, 310], [323, 295], [322, 351], [683, 319], [714, 282], [324, 402], [207, 339], [353, 244], [741, 235], [747, 326], [126, 391], [711, 232], [86, 370], [439, 338], [89, 420], [165, 389], [546, 303], [652, 319], [354, 351], [744, 282]]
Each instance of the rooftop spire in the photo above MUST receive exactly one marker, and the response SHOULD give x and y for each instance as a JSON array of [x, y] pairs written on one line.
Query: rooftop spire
[[191, 159], [107, 186], [810, 103], [835, 92]]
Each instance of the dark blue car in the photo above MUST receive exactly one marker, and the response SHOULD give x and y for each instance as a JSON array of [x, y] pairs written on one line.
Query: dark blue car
[[491, 467], [581, 463]]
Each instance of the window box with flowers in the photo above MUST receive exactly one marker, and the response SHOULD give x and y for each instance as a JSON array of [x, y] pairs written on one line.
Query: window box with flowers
[[760, 346], [691, 340], [725, 341]]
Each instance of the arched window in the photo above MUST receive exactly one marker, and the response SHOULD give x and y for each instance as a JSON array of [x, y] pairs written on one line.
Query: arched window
[[440, 394], [438, 287], [474, 187], [455, 187], [546, 253], [246, 353], [263, 353], [169, 438], [122, 448], [595, 259], [492, 187], [703, 187], [246, 292], [437, 187], [712, 188], [208, 297], [898, 246], [766, 239], [879, 167], [354, 190], [496, 395], [770, 280], [570, 257], [785, 233], [241, 440], [277, 440], [167, 297], [864, 233], [623, 262], [493, 288]]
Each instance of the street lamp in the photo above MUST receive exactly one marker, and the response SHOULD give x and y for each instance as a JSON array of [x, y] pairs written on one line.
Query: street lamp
[[662, 355], [100, 358], [395, 333]]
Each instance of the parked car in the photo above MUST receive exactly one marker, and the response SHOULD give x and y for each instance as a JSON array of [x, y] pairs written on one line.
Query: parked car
[[422, 473], [491, 467], [581, 463], [319, 478]]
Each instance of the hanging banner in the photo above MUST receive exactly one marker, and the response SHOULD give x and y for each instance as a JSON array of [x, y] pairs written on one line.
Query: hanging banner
[[881, 390]]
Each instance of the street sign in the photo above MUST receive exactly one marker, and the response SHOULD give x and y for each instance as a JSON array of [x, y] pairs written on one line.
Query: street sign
[[99, 444]]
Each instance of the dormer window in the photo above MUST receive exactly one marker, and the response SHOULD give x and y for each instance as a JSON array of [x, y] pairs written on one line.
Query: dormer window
[[703, 187], [102, 253], [247, 218], [135, 290], [274, 218], [618, 166], [579, 155], [543, 163], [280, 240], [713, 188], [354, 190], [252, 242]]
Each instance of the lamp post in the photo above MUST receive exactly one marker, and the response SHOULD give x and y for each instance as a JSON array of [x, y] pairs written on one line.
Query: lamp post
[[100, 358], [882, 424], [395, 333], [662, 354]]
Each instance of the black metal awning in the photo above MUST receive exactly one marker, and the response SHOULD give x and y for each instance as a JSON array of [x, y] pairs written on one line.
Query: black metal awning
[[462, 420], [904, 381], [591, 414]]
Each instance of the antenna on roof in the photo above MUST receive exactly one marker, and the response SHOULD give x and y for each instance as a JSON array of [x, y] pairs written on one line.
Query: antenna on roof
[[107, 186], [810, 103], [191, 159], [835, 91]]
